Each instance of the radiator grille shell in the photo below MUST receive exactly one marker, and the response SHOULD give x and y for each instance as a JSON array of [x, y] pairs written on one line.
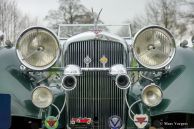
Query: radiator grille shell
[[95, 49], [96, 95]]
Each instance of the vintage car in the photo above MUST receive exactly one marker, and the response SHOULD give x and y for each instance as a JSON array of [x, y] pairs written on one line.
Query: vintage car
[[115, 82]]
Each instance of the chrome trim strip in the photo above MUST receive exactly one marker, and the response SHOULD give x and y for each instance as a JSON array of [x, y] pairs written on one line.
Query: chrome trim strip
[[71, 25], [90, 35]]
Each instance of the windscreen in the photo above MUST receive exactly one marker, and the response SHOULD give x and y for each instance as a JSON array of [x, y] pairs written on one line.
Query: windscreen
[[67, 30]]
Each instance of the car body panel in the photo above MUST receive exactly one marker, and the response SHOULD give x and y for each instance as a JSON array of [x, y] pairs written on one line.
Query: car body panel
[[178, 85], [179, 80], [13, 82]]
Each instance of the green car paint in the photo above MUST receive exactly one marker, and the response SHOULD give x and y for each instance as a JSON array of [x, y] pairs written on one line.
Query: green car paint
[[177, 85], [15, 83]]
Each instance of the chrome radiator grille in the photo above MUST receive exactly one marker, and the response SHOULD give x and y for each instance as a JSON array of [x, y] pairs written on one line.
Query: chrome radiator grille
[[95, 49], [96, 95]]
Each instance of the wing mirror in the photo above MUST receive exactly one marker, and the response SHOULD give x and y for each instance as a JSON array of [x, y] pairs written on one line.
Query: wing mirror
[[184, 43], [1, 38], [8, 44], [192, 39]]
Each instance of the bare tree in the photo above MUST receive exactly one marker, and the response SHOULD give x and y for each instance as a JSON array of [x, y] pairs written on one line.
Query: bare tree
[[169, 14], [12, 21], [69, 12], [135, 24], [163, 12], [188, 14], [73, 10], [166, 13]]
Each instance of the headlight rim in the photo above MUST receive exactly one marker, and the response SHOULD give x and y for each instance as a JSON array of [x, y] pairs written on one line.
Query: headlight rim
[[29, 65], [146, 88], [42, 86], [168, 60]]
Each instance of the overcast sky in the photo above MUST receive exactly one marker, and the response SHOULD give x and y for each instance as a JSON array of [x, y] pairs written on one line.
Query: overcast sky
[[114, 11]]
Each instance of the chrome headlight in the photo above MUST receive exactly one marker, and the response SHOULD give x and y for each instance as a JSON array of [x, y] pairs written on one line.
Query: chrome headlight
[[38, 48], [154, 47], [42, 97], [152, 95]]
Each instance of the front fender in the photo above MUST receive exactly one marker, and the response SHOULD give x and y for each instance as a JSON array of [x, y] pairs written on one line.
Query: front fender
[[178, 85], [15, 83]]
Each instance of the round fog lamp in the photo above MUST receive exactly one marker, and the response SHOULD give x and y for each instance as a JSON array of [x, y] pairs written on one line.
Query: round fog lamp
[[42, 97], [152, 95]]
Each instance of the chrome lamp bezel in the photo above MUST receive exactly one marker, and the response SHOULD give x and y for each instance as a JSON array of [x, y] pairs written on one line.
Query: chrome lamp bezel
[[150, 85], [42, 86], [171, 55], [29, 65]]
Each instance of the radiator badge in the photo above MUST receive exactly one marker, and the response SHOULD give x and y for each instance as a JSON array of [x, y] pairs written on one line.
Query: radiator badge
[[141, 120], [115, 122], [104, 60], [87, 60], [51, 122], [80, 120]]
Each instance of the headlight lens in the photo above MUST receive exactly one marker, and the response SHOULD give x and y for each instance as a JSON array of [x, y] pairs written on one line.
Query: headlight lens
[[42, 97], [154, 47], [38, 48], [152, 95]]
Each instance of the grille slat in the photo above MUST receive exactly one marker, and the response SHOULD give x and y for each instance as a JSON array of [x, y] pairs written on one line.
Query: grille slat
[[95, 49], [96, 95]]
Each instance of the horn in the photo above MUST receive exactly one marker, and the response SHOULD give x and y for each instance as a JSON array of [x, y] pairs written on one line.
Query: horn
[[69, 82], [152, 95], [122, 81]]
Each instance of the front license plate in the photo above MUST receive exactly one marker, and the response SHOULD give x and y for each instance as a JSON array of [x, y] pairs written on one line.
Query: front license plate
[[5, 111]]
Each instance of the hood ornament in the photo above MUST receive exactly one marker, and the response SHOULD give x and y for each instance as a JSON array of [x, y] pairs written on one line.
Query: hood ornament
[[96, 19]]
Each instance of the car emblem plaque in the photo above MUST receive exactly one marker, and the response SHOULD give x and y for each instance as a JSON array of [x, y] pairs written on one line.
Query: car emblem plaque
[[104, 60], [141, 120], [87, 60], [115, 122], [80, 120], [51, 122]]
